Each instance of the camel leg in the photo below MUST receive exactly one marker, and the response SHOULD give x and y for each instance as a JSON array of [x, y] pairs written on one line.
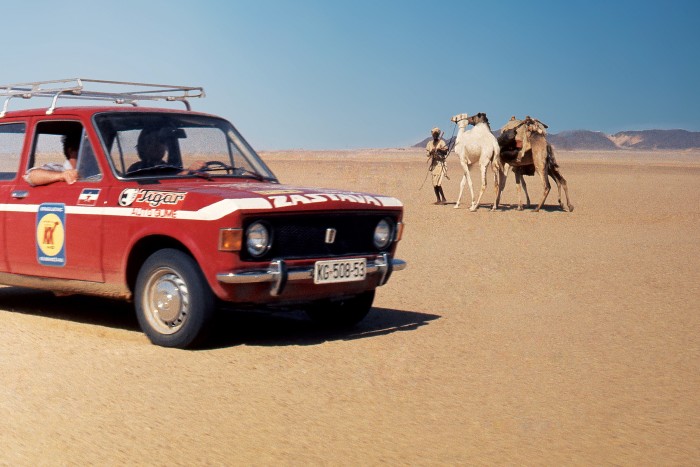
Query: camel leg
[[553, 169], [545, 182], [502, 175], [556, 176], [461, 189], [561, 182], [466, 178], [556, 180], [527, 195], [471, 189], [566, 193], [499, 182], [497, 175], [518, 181], [483, 166]]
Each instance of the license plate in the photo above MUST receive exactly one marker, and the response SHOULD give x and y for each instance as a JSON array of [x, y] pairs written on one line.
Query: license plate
[[347, 270]]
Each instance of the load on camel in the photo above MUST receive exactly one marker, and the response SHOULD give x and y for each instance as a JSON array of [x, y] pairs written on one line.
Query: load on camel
[[524, 147]]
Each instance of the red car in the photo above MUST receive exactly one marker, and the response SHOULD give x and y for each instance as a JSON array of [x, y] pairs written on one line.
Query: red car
[[174, 210]]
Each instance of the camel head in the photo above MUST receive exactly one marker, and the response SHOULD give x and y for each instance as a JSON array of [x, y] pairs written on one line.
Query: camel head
[[533, 128], [532, 125], [478, 118], [461, 120]]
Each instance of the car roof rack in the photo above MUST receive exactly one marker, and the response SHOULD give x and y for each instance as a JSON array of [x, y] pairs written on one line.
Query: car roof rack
[[90, 89]]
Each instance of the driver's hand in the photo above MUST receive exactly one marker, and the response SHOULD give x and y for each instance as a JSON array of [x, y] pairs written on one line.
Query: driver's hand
[[197, 165], [194, 167]]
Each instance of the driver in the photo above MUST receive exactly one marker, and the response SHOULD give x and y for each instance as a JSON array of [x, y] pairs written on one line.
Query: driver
[[151, 150]]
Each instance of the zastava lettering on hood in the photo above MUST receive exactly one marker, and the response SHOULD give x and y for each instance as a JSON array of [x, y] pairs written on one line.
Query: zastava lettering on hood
[[280, 201]]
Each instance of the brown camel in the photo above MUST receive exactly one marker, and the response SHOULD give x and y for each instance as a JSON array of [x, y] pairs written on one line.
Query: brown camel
[[524, 147]]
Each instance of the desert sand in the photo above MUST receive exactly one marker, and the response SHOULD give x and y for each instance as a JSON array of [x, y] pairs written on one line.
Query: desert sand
[[511, 338]]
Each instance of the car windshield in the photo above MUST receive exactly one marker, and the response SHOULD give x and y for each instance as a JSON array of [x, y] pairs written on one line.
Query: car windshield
[[162, 144]]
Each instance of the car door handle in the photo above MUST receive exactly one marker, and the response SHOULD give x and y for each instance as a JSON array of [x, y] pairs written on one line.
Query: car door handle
[[19, 194]]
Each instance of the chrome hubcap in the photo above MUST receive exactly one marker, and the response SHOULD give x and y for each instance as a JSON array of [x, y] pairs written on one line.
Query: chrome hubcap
[[166, 301]]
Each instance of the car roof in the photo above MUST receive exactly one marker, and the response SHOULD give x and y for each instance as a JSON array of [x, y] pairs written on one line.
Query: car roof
[[117, 92], [89, 111]]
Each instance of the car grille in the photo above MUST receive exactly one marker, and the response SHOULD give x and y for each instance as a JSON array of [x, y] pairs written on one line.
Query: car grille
[[304, 236]]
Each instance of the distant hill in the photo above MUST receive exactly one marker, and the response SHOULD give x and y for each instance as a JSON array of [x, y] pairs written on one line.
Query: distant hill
[[657, 139], [582, 139], [595, 140]]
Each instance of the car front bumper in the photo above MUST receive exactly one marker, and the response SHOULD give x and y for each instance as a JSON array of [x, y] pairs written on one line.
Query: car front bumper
[[278, 274]]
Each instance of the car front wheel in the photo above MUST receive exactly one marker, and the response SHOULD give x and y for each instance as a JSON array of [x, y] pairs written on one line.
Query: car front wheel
[[174, 303], [340, 314]]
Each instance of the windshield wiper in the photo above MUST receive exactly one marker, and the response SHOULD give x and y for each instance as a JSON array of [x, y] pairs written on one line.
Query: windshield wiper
[[249, 173], [199, 173], [153, 168]]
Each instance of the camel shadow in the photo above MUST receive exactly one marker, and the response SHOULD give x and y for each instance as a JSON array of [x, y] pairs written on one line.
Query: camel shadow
[[530, 208], [232, 327]]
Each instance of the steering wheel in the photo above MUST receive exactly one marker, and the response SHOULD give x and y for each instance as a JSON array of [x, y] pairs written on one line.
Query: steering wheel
[[217, 165]]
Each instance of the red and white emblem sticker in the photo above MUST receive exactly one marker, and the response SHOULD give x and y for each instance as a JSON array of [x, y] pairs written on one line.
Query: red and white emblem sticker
[[88, 197], [150, 198]]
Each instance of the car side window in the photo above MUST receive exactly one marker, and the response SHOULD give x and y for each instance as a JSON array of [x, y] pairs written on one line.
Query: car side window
[[88, 170], [11, 142], [49, 149]]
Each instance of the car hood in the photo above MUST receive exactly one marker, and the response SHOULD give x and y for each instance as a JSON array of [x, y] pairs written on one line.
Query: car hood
[[212, 200]]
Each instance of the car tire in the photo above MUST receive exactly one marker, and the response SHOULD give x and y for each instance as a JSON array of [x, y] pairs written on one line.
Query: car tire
[[341, 314], [174, 303]]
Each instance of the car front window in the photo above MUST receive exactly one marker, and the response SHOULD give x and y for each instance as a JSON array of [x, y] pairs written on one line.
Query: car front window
[[162, 145]]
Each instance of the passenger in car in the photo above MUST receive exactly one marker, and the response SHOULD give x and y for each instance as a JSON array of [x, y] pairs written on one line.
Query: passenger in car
[[55, 172]]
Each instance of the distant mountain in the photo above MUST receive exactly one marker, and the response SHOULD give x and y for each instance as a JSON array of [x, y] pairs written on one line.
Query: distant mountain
[[597, 141], [657, 139], [581, 139]]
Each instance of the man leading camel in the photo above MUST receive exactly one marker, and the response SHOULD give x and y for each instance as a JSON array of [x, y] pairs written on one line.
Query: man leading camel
[[437, 153]]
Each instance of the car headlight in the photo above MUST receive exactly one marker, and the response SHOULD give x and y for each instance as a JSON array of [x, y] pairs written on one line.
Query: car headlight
[[258, 239], [383, 234]]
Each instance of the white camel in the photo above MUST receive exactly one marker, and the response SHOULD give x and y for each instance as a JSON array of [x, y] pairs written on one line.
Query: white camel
[[477, 144]]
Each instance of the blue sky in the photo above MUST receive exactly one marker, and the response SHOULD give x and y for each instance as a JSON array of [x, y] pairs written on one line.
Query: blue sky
[[369, 74]]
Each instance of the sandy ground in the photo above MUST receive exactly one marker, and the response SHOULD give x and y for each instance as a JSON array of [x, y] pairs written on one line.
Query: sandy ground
[[512, 338]]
